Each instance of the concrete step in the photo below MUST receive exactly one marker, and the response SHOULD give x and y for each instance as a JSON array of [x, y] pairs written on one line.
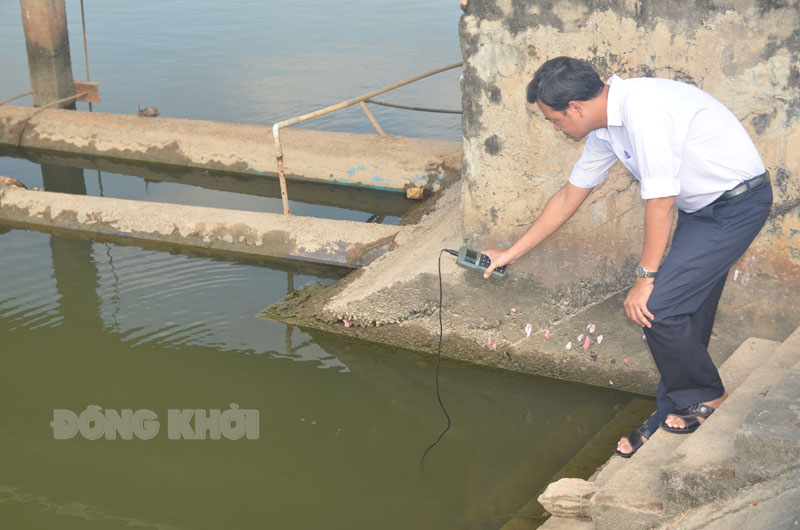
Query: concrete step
[[702, 469], [768, 442], [630, 495]]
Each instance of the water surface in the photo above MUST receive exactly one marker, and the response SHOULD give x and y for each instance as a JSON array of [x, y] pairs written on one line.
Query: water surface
[[343, 423]]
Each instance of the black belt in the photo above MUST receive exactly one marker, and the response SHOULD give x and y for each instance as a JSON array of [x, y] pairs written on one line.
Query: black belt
[[748, 185]]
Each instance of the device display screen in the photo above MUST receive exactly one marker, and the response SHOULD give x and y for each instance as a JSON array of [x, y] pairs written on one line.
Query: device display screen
[[471, 257]]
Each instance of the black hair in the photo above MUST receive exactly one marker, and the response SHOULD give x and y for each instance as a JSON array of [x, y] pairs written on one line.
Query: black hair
[[564, 79]]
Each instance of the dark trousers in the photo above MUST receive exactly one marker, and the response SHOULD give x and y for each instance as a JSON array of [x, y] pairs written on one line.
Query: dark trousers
[[705, 245]]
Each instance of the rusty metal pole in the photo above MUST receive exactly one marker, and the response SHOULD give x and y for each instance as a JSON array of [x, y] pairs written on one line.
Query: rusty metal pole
[[276, 129], [47, 41]]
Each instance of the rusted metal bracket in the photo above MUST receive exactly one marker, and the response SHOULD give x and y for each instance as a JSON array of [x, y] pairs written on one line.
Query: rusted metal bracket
[[91, 89]]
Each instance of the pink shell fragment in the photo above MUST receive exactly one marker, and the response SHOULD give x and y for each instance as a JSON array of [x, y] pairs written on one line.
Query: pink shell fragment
[[494, 346], [586, 344], [490, 340], [528, 329], [610, 382], [580, 337], [569, 345], [591, 328], [547, 334], [599, 339], [389, 285], [513, 311], [626, 361], [346, 323]]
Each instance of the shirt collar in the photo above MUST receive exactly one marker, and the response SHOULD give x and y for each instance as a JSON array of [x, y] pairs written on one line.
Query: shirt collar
[[613, 115], [614, 101]]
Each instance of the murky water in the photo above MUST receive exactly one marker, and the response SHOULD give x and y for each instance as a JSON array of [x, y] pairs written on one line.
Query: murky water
[[343, 423]]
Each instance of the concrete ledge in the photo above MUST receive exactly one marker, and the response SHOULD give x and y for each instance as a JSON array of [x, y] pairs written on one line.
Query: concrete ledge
[[341, 243], [390, 163], [768, 442]]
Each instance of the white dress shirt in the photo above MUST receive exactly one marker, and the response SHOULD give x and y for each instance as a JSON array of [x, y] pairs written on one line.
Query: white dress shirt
[[674, 138]]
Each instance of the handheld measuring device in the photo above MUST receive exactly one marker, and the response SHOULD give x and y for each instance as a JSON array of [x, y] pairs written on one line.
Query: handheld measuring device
[[475, 261]]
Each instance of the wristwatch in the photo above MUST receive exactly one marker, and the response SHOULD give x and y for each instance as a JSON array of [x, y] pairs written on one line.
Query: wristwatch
[[641, 272]]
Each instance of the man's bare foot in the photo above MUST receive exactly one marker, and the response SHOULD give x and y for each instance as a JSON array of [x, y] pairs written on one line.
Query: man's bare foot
[[676, 422], [624, 445]]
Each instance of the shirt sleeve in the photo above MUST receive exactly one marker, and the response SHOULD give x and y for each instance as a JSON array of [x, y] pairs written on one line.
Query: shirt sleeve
[[592, 168], [658, 147]]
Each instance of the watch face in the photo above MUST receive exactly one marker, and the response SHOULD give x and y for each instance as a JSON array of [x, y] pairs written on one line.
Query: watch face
[[640, 271]]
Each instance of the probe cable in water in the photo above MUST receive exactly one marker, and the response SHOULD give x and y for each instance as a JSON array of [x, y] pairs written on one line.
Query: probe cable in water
[[470, 260]]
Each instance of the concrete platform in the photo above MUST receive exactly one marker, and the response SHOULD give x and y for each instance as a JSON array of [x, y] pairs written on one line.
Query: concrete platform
[[330, 242], [388, 163]]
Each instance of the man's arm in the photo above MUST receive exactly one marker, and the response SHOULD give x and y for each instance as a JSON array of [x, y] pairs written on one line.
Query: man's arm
[[559, 208], [657, 225]]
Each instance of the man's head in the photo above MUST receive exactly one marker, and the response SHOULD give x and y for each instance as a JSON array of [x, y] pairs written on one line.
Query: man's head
[[566, 90]]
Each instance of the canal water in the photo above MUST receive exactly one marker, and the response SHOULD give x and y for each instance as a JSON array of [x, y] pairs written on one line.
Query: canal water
[[88, 323]]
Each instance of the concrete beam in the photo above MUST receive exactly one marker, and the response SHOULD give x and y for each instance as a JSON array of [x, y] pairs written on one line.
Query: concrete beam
[[389, 163], [330, 242], [47, 42]]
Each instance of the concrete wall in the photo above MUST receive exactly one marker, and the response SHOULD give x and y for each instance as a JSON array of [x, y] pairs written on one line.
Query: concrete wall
[[744, 52]]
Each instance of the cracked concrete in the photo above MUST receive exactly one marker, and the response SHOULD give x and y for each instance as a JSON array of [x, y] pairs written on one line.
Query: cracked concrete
[[389, 163], [294, 237]]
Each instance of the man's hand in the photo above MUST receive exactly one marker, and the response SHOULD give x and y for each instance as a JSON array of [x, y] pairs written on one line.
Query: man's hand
[[636, 302], [499, 258]]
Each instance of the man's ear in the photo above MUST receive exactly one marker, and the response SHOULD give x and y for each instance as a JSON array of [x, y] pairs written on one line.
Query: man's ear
[[576, 107]]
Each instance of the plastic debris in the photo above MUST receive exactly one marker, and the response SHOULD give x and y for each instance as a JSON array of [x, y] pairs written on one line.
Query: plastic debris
[[586, 344], [580, 337], [346, 323], [528, 329], [389, 285], [547, 334], [599, 339], [569, 345], [736, 275], [591, 328]]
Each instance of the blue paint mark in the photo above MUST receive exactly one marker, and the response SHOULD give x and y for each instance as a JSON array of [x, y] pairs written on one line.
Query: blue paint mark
[[351, 172], [250, 166], [376, 178]]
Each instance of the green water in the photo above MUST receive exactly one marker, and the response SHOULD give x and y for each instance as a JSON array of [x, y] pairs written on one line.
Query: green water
[[343, 423]]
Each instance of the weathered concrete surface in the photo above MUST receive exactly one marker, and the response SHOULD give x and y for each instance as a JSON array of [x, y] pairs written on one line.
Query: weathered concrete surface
[[350, 198], [744, 52], [475, 310], [47, 43], [391, 163], [342, 243], [767, 443]]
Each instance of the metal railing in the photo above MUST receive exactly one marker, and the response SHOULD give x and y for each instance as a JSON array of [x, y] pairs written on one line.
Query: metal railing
[[360, 100]]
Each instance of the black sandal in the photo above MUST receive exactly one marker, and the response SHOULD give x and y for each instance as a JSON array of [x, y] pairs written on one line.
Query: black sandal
[[690, 417], [635, 439]]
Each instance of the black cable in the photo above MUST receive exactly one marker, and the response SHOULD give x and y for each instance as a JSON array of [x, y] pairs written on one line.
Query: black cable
[[438, 358]]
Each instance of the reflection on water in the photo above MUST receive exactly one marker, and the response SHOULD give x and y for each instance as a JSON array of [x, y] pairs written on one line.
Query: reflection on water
[[343, 422]]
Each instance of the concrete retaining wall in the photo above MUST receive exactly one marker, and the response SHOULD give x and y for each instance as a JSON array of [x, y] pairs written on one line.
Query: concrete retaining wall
[[744, 52], [342, 243], [389, 163]]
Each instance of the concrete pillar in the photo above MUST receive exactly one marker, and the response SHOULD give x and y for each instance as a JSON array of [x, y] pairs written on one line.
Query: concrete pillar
[[47, 43]]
